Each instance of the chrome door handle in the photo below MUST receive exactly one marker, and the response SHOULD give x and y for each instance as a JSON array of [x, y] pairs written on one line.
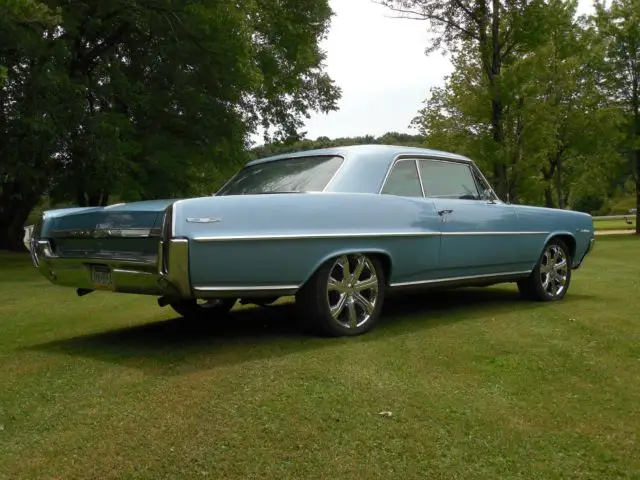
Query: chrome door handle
[[444, 212]]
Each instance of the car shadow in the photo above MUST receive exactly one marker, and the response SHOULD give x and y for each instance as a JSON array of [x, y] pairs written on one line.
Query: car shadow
[[177, 346]]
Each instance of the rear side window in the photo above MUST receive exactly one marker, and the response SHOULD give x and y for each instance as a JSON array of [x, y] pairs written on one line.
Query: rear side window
[[448, 180], [403, 180], [290, 175]]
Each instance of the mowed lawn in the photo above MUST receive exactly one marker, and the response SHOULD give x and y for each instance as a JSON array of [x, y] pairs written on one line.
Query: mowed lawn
[[615, 224], [480, 385]]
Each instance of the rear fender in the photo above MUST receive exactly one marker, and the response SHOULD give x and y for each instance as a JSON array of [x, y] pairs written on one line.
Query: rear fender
[[347, 251]]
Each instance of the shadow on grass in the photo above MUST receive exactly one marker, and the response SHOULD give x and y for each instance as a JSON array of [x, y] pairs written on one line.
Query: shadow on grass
[[178, 346]]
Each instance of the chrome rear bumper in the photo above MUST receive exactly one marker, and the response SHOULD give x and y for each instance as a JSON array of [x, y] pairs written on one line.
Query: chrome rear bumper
[[164, 274]]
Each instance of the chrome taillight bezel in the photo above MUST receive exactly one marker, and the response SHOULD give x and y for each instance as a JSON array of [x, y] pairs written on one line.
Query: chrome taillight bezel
[[167, 227]]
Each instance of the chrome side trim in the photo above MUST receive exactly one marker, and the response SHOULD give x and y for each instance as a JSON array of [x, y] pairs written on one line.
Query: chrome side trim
[[311, 236], [106, 232], [458, 279], [419, 177], [471, 234], [317, 236], [250, 290], [202, 220], [284, 290]]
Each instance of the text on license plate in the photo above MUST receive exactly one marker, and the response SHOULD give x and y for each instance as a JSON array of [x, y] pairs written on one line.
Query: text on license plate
[[101, 277]]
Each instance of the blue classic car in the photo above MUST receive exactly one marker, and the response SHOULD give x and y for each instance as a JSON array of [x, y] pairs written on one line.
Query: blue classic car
[[338, 228]]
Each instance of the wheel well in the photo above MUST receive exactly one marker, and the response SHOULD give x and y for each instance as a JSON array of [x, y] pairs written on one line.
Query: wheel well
[[385, 261], [569, 241], [384, 258]]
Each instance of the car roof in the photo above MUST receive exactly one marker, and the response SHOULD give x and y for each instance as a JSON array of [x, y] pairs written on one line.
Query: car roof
[[390, 151], [366, 166]]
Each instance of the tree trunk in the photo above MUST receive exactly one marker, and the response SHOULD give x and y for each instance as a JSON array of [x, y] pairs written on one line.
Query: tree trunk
[[95, 198], [12, 220], [494, 69], [559, 194], [635, 103], [547, 176]]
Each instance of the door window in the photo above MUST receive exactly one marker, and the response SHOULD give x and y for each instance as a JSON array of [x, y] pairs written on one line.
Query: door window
[[403, 180], [448, 180]]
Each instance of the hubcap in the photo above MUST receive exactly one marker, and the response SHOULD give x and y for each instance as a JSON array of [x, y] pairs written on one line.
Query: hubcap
[[554, 270], [352, 290]]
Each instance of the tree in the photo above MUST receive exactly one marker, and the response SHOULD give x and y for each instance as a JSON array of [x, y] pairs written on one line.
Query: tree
[[389, 138], [141, 99], [27, 124], [496, 31], [19, 21], [557, 126], [619, 26]]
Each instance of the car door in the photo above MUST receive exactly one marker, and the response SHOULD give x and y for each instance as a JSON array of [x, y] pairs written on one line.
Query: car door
[[479, 233], [417, 264]]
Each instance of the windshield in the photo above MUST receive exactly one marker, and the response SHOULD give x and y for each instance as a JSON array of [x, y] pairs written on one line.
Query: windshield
[[290, 175]]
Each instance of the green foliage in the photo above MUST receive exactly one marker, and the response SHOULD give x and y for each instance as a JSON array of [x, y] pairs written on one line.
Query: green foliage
[[618, 24], [589, 203], [622, 205], [297, 145], [487, 39], [560, 133], [141, 99], [21, 24]]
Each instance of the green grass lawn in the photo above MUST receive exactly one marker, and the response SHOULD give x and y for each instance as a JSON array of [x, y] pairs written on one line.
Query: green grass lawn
[[614, 224], [480, 384]]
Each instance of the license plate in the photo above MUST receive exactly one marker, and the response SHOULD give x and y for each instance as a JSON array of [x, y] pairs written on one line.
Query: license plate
[[101, 277]]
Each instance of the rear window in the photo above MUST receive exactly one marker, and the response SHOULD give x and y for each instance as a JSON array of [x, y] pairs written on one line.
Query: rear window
[[291, 175]]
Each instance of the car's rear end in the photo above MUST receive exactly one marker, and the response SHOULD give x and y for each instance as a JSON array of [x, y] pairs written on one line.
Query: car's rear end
[[121, 248]]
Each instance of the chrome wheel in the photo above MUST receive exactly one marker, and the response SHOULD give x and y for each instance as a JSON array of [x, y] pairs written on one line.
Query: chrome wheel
[[352, 290], [551, 277], [554, 270]]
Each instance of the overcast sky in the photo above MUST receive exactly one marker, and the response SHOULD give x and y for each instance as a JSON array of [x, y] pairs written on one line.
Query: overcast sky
[[379, 63]]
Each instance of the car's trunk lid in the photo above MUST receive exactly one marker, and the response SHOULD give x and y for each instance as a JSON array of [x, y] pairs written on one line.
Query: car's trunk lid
[[126, 231]]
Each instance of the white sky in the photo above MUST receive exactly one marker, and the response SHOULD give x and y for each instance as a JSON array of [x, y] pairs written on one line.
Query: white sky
[[379, 63]]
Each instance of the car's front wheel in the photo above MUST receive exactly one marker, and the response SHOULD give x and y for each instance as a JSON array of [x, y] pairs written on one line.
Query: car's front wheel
[[345, 295], [195, 309], [551, 277]]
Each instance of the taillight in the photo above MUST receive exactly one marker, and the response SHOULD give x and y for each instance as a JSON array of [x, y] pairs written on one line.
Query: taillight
[[167, 226]]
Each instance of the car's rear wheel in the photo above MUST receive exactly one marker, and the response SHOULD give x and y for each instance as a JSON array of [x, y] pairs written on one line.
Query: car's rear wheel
[[345, 296], [196, 308], [551, 277]]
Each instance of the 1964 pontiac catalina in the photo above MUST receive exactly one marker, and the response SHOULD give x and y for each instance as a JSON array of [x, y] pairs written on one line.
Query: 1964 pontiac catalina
[[338, 228]]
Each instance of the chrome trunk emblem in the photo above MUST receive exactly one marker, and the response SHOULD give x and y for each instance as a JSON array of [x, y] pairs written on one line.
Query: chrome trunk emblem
[[202, 220]]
